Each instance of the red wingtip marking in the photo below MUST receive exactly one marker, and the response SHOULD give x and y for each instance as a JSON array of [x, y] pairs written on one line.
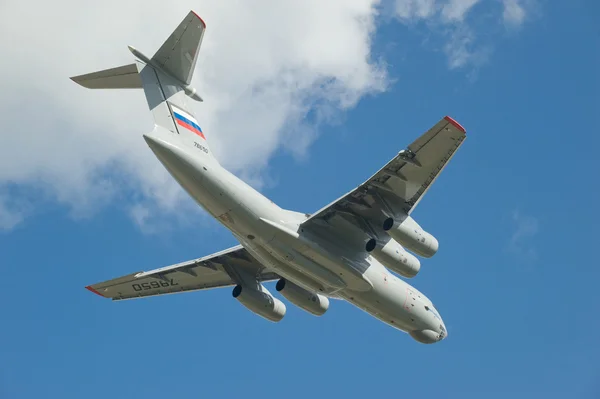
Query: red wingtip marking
[[456, 124], [89, 287], [201, 20]]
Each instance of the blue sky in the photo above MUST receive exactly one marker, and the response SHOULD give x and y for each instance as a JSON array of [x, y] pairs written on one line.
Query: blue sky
[[515, 278]]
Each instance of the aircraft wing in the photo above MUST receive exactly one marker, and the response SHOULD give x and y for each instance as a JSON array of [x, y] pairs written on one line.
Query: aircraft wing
[[402, 182], [220, 269]]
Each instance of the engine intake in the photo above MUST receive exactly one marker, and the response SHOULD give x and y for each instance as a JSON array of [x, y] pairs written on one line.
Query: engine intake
[[260, 302], [394, 257], [311, 302], [412, 236]]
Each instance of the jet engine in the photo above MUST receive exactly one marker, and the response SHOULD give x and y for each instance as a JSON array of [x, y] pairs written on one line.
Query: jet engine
[[311, 302], [394, 257], [412, 236], [260, 302]]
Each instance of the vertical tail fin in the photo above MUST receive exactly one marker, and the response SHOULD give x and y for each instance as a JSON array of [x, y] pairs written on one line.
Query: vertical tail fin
[[165, 79], [178, 54]]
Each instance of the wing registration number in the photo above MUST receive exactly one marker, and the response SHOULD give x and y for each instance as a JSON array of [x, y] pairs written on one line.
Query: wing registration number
[[153, 285]]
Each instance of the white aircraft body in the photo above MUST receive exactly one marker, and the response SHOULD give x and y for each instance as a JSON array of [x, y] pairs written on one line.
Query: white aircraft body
[[343, 251]]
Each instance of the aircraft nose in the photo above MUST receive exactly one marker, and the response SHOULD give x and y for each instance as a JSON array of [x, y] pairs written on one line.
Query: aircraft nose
[[426, 336], [443, 332], [434, 245]]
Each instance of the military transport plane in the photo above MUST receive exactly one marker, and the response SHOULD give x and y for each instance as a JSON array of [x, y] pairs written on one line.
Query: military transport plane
[[343, 251]]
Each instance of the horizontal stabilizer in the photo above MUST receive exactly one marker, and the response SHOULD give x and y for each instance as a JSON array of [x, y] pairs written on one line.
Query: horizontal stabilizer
[[123, 77]]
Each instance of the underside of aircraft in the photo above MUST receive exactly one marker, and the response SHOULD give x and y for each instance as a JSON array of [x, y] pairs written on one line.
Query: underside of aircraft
[[352, 249]]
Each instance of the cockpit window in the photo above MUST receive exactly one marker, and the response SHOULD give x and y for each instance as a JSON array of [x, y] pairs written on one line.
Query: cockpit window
[[426, 307]]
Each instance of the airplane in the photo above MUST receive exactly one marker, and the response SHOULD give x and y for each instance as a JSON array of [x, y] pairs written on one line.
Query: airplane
[[352, 249]]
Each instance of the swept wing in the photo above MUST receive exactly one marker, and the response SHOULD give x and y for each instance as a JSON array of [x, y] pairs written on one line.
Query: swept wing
[[221, 269], [398, 186]]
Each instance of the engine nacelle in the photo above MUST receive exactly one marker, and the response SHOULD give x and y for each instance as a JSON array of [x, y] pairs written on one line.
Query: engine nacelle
[[260, 302], [394, 257], [309, 301], [412, 236]]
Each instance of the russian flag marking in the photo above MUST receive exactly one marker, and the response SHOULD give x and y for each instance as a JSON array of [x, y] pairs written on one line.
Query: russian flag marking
[[187, 121]]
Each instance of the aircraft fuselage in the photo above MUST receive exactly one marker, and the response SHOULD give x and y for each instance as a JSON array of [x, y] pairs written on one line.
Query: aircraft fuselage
[[275, 238]]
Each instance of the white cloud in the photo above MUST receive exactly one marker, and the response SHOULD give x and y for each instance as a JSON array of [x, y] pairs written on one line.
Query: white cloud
[[525, 229], [456, 10], [263, 65], [460, 48], [409, 10], [452, 22], [514, 12], [11, 212]]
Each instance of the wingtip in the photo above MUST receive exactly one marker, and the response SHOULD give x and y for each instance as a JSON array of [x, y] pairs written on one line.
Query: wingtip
[[200, 18], [77, 80], [89, 288], [80, 81], [455, 123]]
